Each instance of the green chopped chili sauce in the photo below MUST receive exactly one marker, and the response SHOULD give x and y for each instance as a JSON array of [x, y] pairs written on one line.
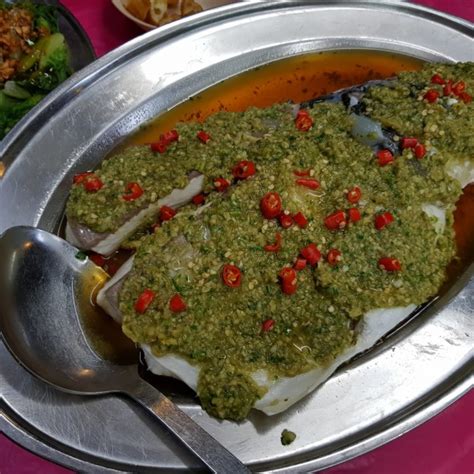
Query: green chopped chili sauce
[[287, 437], [222, 329]]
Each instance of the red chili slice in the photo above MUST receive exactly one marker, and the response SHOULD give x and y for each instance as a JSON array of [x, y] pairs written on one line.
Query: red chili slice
[[177, 304], [336, 220], [420, 151], [199, 199], [288, 280], [300, 220], [231, 276], [270, 205], [112, 266], [159, 146], [303, 121], [354, 195], [465, 97], [385, 157], [437, 79], [382, 220], [166, 213], [301, 173], [431, 95], [458, 87], [268, 325], [286, 220], [165, 140], [276, 246], [243, 169], [408, 142], [389, 264], [311, 253], [354, 214], [221, 184], [308, 183], [203, 136], [144, 301], [170, 136], [79, 178], [92, 184], [334, 257], [98, 260], [448, 88], [300, 264], [132, 192]]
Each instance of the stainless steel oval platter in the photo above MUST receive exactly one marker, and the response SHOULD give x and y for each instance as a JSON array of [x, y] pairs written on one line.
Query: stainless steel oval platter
[[411, 376]]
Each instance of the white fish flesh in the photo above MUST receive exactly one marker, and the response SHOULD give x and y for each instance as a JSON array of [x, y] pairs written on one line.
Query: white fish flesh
[[107, 243], [285, 391]]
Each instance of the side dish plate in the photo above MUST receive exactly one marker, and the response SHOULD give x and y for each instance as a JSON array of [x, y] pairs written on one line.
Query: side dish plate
[[405, 380], [80, 47]]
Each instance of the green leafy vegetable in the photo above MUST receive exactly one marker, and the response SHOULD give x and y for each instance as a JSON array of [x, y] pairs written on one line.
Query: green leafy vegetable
[[12, 89], [12, 110], [45, 17], [48, 64], [40, 71]]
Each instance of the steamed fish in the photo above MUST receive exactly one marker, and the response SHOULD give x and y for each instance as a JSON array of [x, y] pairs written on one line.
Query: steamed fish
[[104, 215], [340, 226], [126, 193]]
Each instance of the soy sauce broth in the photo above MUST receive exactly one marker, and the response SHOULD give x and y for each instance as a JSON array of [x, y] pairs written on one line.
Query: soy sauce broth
[[296, 79]]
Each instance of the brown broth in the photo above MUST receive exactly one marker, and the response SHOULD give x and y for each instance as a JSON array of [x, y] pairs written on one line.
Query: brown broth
[[103, 334], [297, 79]]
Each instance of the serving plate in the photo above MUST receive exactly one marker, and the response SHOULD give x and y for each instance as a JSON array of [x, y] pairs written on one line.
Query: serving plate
[[80, 46], [418, 371], [205, 4]]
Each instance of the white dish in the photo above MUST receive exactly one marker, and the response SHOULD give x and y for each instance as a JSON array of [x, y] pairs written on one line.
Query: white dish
[[205, 4]]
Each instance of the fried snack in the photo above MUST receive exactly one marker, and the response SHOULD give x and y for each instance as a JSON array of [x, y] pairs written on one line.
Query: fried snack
[[161, 12], [138, 8], [180, 9], [168, 17], [188, 7], [158, 9]]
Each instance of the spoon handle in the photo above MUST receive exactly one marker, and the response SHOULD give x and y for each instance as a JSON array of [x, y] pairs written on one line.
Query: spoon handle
[[217, 458]]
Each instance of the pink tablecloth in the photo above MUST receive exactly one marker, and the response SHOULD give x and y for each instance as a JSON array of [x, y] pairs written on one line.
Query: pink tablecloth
[[443, 445]]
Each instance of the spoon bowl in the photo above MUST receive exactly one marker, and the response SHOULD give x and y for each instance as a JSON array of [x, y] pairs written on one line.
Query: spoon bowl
[[41, 281], [44, 284]]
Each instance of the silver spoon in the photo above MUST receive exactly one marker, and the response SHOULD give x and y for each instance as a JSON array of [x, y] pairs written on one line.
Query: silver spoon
[[44, 282]]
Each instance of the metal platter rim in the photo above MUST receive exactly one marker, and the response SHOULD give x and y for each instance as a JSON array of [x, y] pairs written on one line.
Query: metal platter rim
[[72, 459], [458, 384]]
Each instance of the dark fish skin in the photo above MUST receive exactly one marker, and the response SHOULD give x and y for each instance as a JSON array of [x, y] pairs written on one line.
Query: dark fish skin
[[344, 95], [351, 98]]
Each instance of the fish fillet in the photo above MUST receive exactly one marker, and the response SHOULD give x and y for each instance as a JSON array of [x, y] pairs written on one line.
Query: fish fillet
[[107, 243], [372, 134]]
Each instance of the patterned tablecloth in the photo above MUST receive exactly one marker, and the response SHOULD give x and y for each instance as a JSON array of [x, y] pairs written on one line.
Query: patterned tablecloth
[[443, 445]]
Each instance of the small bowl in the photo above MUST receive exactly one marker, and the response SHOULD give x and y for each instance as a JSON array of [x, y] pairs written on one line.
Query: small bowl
[[205, 4]]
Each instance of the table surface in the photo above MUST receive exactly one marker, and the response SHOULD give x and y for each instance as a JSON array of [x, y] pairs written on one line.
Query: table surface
[[442, 445]]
